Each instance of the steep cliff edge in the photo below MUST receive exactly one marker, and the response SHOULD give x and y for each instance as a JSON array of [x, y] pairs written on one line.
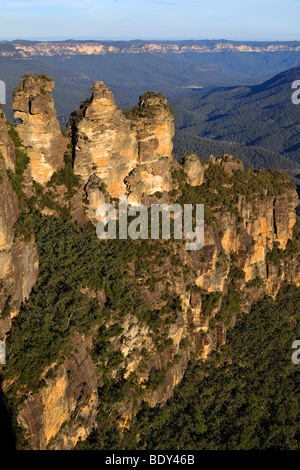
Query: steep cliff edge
[[69, 397], [7, 149], [118, 154], [39, 129], [111, 325], [139, 47], [18, 257]]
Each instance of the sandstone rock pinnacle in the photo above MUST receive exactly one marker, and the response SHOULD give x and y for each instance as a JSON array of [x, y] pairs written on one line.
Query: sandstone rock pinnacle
[[39, 129], [121, 148]]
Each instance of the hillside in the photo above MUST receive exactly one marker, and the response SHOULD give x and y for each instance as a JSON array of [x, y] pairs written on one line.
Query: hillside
[[102, 334], [256, 116], [171, 68]]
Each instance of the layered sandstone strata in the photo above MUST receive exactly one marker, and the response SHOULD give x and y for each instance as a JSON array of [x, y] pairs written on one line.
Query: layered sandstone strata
[[18, 258], [96, 48], [39, 129], [193, 169], [7, 149], [105, 143], [71, 393], [128, 154]]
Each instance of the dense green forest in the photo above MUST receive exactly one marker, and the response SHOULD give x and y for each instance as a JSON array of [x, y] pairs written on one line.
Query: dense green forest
[[251, 156], [254, 118], [130, 75], [73, 261], [246, 396]]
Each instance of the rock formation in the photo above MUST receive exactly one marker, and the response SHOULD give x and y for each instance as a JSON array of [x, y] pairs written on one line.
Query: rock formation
[[229, 163], [39, 48], [7, 149], [18, 257], [193, 169], [71, 394], [175, 313], [39, 129], [128, 154]]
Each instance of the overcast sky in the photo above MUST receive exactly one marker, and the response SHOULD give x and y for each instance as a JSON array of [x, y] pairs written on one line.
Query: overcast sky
[[150, 19]]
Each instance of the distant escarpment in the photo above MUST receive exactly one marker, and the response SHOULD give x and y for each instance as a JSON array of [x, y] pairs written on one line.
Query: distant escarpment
[[112, 325], [71, 48]]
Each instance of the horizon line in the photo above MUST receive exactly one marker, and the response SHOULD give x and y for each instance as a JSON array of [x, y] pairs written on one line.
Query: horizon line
[[66, 39]]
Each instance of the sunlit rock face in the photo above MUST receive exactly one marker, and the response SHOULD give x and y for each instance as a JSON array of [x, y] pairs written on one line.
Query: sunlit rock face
[[229, 163], [7, 149], [105, 143], [39, 129], [265, 223], [129, 153], [18, 258], [193, 169], [72, 390]]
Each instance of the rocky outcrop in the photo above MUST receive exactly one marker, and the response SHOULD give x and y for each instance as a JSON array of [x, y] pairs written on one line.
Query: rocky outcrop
[[193, 169], [229, 163], [7, 149], [153, 122], [129, 154], [178, 312], [268, 225], [39, 129], [18, 258], [105, 144], [65, 409]]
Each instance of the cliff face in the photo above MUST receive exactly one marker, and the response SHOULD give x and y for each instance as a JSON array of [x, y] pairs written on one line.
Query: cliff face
[[98, 48], [178, 304], [39, 129], [71, 396], [117, 154], [7, 149], [105, 144], [153, 122], [229, 247], [9, 214], [18, 258]]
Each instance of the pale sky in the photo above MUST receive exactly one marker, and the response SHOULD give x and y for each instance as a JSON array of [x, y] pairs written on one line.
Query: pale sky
[[150, 19]]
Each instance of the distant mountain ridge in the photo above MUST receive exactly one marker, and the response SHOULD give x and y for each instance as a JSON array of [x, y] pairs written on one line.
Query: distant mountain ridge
[[22, 48], [176, 68]]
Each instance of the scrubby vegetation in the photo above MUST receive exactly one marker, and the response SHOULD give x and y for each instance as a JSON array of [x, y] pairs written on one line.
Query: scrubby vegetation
[[23, 228], [145, 110], [245, 397], [220, 191], [72, 259]]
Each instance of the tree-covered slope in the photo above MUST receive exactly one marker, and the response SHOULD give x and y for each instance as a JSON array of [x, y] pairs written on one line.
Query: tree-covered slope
[[256, 116], [244, 397]]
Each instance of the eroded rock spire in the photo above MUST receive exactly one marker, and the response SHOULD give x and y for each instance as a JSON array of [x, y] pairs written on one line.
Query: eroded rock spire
[[39, 129]]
